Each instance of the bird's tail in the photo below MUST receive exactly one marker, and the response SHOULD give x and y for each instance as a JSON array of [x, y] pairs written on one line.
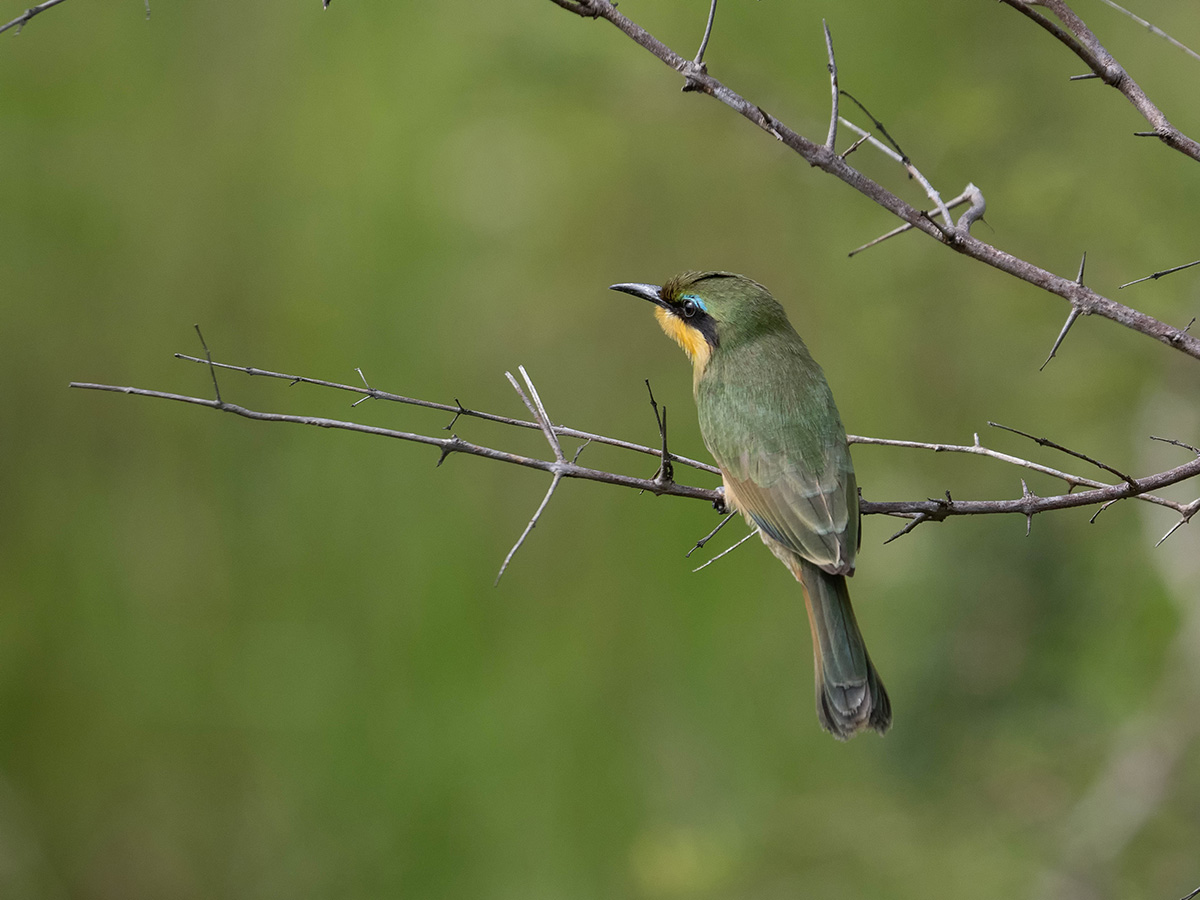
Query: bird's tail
[[850, 696]]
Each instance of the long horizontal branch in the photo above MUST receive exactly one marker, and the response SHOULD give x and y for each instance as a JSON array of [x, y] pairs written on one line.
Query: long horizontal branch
[[977, 449], [447, 445], [458, 410], [1081, 297], [1029, 504]]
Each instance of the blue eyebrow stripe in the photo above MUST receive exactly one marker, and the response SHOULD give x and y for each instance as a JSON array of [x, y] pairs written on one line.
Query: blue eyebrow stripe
[[696, 300]]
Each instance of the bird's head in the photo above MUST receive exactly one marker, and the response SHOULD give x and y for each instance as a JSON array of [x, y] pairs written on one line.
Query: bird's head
[[710, 312]]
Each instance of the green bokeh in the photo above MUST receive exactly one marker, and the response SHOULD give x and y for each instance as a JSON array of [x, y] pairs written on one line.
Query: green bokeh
[[246, 660]]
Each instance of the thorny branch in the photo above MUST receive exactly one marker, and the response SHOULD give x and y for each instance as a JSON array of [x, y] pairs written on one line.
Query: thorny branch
[[970, 194], [1071, 317], [19, 22], [457, 409], [1084, 44], [918, 511], [1086, 300], [903, 158], [666, 471]]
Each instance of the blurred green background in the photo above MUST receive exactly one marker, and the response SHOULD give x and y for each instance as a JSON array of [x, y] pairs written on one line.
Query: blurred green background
[[246, 660]]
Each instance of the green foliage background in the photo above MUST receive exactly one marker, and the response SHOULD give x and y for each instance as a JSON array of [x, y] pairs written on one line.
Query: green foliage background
[[240, 660]]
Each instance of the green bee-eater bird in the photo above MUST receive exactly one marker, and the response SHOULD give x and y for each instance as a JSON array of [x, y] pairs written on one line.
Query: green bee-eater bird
[[768, 418]]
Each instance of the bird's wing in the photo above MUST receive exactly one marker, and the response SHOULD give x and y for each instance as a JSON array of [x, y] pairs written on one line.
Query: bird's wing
[[776, 435], [811, 510]]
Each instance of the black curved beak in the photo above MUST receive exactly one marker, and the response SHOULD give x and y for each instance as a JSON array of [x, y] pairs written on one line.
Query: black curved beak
[[651, 292]]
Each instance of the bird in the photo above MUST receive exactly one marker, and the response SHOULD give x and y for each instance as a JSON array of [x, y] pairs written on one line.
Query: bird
[[768, 418]]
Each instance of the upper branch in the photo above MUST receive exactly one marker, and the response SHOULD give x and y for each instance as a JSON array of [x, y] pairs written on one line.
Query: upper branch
[[957, 237], [1084, 44]]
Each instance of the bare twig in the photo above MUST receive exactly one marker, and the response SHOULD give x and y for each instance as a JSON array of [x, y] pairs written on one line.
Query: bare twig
[[1176, 443], [821, 157], [862, 139], [1154, 29], [666, 472], [1160, 274], [899, 155], [19, 22], [708, 537], [915, 521], [831, 139], [208, 358], [534, 402], [580, 449], [528, 528], [864, 135], [542, 417], [1183, 520], [906, 161], [367, 396], [712, 14], [1100, 509], [970, 194], [1046, 442], [726, 551]]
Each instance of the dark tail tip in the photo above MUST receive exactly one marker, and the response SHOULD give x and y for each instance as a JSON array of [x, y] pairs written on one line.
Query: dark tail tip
[[846, 709]]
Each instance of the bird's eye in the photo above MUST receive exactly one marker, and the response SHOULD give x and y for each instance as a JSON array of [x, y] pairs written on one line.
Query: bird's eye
[[689, 307]]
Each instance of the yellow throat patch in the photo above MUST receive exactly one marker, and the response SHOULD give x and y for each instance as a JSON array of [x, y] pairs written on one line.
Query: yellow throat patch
[[687, 337]]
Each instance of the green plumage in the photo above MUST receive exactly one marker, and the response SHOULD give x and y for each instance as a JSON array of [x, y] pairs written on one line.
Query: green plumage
[[768, 418]]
